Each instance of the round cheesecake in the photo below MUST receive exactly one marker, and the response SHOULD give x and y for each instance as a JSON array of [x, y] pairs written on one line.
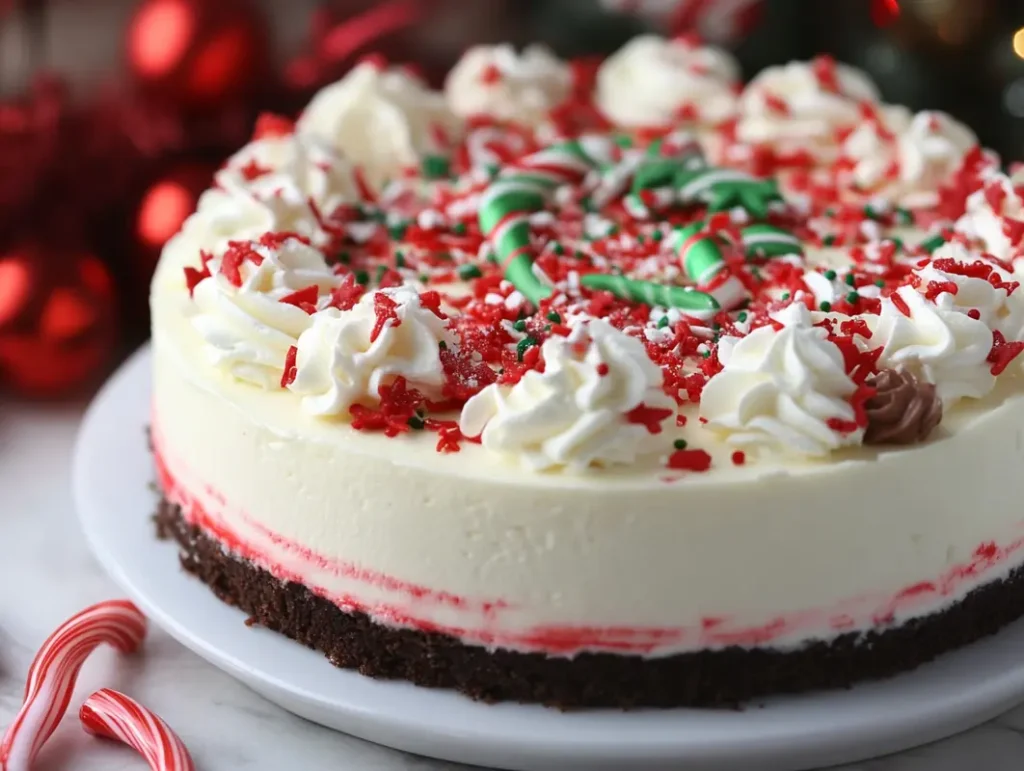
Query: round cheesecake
[[585, 390]]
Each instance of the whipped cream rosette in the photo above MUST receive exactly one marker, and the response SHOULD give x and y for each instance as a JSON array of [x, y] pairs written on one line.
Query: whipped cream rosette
[[804, 108], [498, 82], [386, 117], [653, 82]]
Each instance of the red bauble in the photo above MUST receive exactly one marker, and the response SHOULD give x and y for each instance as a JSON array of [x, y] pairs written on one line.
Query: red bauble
[[57, 320], [163, 207], [197, 53]]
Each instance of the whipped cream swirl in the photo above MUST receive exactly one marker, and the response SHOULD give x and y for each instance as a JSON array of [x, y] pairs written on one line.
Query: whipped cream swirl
[[803, 106], [652, 81], [341, 361], [385, 117], [906, 159], [267, 186], [994, 216], [574, 414], [937, 344], [500, 83], [999, 305], [245, 327], [784, 389]]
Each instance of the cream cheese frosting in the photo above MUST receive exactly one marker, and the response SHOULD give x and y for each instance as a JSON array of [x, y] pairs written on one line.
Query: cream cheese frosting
[[501, 83], [475, 406], [653, 81], [386, 117], [804, 106]]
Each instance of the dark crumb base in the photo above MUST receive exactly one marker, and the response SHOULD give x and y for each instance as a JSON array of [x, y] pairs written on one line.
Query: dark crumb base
[[720, 678]]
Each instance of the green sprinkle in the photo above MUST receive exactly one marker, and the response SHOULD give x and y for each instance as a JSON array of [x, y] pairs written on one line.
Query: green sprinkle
[[904, 216], [424, 278], [623, 140], [381, 270], [523, 344], [851, 280], [520, 326], [825, 306], [415, 422], [741, 316], [828, 240], [640, 239], [554, 317], [435, 167], [493, 257], [613, 231], [399, 259], [899, 244], [852, 297], [785, 295], [657, 235], [344, 258], [362, 277], [442, 345], [466, 272], [459, 228], [557, 248], [579, 254], [879, 282], [679, 444], [830, 275], [706, 354], [663, 322], [397, 232], [830, 212], [933, 243], [492, 169]]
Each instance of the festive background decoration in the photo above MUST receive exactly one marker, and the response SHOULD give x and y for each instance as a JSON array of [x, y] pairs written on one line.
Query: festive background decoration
[[94, 176]]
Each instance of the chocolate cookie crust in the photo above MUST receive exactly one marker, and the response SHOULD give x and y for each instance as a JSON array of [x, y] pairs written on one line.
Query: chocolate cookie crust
[[719, 678]]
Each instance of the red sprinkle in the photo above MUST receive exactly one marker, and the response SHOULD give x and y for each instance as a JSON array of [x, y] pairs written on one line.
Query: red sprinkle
[[345, 296], [690, 460], [739, 458], [238, 252], [290, 369], [602, 369], [194, 275], [490, 75], [900, 303], [649, 417], [385, 308], [303, 299], [1002, 352]]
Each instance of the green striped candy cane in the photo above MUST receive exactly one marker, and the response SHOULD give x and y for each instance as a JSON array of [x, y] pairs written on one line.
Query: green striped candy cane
[[763, 240], [656, 175], [701, 255], [725, 189], [686, 299], [518, 192]]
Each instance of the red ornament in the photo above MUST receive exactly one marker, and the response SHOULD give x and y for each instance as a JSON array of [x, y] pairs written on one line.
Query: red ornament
[[164, 205], [196, 52], [57, 320]]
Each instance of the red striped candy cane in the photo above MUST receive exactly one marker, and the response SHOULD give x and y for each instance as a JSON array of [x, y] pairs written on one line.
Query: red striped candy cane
[[112, 715], [51, 678]]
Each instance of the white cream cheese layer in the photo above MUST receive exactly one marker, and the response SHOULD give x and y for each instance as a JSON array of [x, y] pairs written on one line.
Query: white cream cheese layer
[[636, 559]]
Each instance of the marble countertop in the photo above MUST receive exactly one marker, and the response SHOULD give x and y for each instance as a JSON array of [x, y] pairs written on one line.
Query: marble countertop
[[47, 574]]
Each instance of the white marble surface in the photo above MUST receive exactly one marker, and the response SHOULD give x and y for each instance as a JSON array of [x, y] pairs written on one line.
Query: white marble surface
[[46, 574]]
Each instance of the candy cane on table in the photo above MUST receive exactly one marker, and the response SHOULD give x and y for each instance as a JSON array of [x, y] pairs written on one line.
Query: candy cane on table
[[52, 675], [112, 715]]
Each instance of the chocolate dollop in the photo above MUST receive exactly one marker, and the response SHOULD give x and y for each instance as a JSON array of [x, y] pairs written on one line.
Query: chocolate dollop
[[904, 410]]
